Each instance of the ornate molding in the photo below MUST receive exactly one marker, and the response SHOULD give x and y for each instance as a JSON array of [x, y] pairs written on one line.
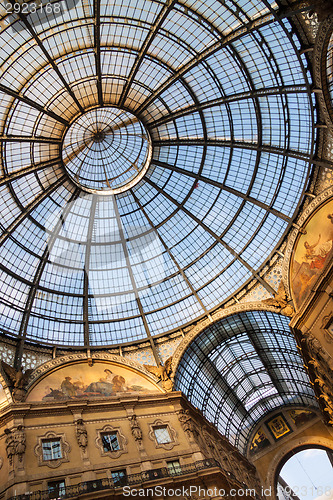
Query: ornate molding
[[65, 449], [51, 365], [315, 204], [172, 432], [200, 327], [319, 67], [122, 441], [327, 322]]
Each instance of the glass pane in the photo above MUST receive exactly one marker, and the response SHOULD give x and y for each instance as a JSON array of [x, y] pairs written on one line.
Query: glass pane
[[162, 435], [174, 467], [110, 442], [119, 477], [56, 489], [51, 449]]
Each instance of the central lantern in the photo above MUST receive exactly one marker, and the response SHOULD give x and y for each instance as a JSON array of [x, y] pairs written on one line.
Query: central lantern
[[107, 150]]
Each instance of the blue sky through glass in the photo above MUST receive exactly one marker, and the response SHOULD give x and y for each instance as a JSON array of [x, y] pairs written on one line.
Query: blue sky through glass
[[310, 474]]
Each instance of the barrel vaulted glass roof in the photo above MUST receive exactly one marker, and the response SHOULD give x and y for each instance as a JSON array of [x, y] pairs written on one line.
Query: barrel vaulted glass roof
[[242, 367], [100, 248]]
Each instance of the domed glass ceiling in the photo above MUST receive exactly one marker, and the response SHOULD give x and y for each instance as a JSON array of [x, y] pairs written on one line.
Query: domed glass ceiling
[[153, 156]]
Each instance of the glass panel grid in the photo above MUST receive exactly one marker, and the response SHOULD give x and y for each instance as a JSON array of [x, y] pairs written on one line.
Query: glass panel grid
[[232, 131]]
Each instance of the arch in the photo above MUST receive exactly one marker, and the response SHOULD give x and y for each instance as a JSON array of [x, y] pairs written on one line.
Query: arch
[[243, 367], [206, 322], [62, 362], [297, 443]]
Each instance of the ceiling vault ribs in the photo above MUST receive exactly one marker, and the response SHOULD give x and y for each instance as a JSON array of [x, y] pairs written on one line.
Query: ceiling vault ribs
[[218, 379], [133, 282], [193, 89], [32, 292], [215, 236], [86, 271], [258, 348], [167, 7], [230, 351], [97, 49], [224, 187], [33, 104], [174, 260], [49, 58]]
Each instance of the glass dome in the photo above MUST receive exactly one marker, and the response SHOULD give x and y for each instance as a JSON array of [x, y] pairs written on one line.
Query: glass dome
[[154, 154]]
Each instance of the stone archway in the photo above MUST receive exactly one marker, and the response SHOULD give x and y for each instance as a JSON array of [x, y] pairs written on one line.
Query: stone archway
[[292, 445]]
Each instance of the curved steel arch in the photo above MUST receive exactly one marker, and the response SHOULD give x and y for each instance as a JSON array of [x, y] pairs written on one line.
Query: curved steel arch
[[219, 361]]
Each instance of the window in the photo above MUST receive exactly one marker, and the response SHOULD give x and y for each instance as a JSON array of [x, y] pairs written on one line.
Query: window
[[174, 467], [162, 434], [51, 449], [56, 489], [119, 477], [110, 442]]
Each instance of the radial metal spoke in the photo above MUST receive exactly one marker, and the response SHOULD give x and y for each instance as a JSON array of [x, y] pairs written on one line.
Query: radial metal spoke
[[33, 104], [24, 20], [18, 138], [97, 44], [172, 257], [234, 144], [214, 235], [286, 89], [29, 208], [212, 49], [37, 278], [133, 282], [167, 7], [224, 187], [86, 271], [28, 170]]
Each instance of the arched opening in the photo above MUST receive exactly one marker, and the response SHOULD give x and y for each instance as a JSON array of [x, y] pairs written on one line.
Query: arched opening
[[240, 368], [305, 473]]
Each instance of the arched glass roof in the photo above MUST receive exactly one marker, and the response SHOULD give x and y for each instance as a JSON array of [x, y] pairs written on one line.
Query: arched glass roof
[[242, 367], [223, 94]]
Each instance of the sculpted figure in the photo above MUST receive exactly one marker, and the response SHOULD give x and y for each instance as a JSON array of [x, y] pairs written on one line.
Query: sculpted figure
[[135, 428], [280, 300], [163, 373], [186, 421], [20, 442], [18, 380], [81, 434], [10, 445]]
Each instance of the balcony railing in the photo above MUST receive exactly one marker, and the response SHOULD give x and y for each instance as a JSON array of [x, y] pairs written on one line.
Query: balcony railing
[[86, 487]]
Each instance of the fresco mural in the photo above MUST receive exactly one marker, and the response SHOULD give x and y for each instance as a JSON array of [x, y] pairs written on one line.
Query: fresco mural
[[259, 442], [300, 417], [312, 252], [79, 381]]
